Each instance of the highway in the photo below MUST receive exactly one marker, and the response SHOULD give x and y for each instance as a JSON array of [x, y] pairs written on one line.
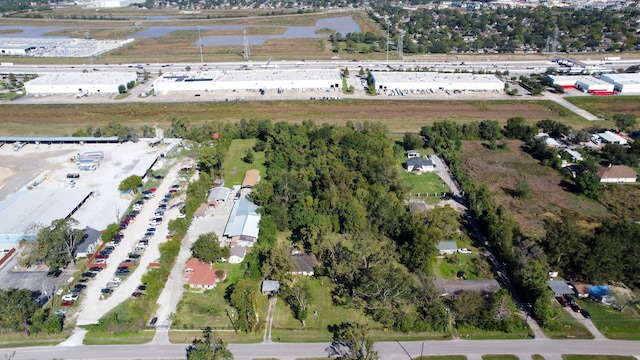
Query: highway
[[473, 349]]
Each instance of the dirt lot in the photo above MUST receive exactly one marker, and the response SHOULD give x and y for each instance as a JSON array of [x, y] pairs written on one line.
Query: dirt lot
[[500, 170], [399, 116]]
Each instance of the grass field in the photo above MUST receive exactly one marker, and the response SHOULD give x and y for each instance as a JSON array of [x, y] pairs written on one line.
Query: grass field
[[474, 266], [597, 357], [441, 357], [613, 324], [234, 168], [10, 339], [95, 337], [499, 170], [569, 328], [499, 357], [398, 116], [606, 106]]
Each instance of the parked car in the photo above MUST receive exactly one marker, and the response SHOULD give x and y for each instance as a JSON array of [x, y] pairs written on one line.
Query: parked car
[[54, 273], [575, 308], [60, 312], [137, 294], [464, 251], [89, 274], [67, 303], [70, 297], [128, 261], [586, 314], [100, 261], [569, 299], [80, 286], [102, 256], [151, 229], [562, 301], [149, 233], [107, 291], [142, 287], [134, 256]]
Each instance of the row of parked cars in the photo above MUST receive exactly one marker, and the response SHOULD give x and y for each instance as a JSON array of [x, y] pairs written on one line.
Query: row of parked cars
[[568, 300]]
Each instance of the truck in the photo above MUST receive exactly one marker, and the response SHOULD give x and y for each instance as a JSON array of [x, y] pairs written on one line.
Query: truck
[[6, 64], [611, 58]]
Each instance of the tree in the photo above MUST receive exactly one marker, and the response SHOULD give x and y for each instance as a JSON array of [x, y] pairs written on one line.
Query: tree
[[244, 298], [207, 248], [298, 297], [362, 72], [209, 158], [130, 85], [112, 230], [132, 183], [248, 156], [122, 89], [517, 128], [278, 265], [589, 184], [54, 245], [345, 73], [208, 348], [625, 122], [412, 141], [352, 342], [17, 310]]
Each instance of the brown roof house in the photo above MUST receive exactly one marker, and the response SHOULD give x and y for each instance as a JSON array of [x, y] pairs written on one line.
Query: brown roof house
[[251, 178], [303, 264], [617, 174], [201, 275]]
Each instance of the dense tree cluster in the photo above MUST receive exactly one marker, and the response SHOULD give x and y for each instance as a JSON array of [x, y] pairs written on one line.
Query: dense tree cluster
[[604, 254], [507, 30], [207, 248], [54, 245], [19, 312]]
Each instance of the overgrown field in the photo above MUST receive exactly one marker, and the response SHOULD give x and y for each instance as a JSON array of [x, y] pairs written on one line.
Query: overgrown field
[[500, 170], [606, 106], [398, 116]]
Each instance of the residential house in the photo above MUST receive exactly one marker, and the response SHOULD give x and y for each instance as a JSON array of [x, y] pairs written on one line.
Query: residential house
[[617, 174], [303, 264], [559, 287], [218, 195], [237, 254], [610, 137], [90, 242], [551, 142], [201, 275], [447, 247], [574, 155], [270, 287], [419, 164], [413, 154]]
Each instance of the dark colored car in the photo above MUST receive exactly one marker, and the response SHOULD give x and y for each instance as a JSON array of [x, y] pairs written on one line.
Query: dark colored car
[[575, 308], [151, 229], [107, 291], [153, 321], [149, 233], [80, 286], [83, 280], [122, 271], [89, 274], [54, 273], [569, 299], [96, 268], [586, 314], [562, 301], [123, 226], [134, 256], [137, 294], [142, 287]]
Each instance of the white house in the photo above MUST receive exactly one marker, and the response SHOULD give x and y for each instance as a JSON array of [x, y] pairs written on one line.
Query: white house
[[237, 254], [574, 155], [617, 174], [447, 247], [419, 164], [412, 154], [610, 137]]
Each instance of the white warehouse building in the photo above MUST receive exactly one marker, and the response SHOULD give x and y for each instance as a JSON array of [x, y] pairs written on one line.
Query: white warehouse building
[[594, 86], [623, 83], [248, 80], [74, 83], [436, 81]]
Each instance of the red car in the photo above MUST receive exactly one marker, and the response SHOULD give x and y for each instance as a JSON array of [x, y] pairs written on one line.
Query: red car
[[173, 191], [152, 190], [169, 236], [67, 303], [137, 294]]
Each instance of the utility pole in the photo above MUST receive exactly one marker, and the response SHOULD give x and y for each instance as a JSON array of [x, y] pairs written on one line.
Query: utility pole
[[200, 45]]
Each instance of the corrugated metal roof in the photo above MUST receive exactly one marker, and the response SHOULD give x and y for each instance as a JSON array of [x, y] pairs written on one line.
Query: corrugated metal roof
[[144, 165], [559, 287], [243, 219], [219, 194], [25, 208]]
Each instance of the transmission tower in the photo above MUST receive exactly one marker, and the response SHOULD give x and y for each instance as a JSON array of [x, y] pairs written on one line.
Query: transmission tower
[[400, 44], [555, 42], [247, 51], [546, 46]]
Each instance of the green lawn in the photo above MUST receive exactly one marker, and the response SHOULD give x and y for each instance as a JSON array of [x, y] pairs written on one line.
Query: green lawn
[[441, 357], [474, 266], [96, 337], [606, 106], [233, 166], [568, 328], [499, 357], [614, 324], [537, 357], [427, 184]]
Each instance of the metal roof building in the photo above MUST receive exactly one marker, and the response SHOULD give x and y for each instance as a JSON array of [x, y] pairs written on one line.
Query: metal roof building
[[559, 287], [243, 220], [25, 208], [218, 194], [623, 83], [74, 83], [408, 80], [248, 80], [145, 163]]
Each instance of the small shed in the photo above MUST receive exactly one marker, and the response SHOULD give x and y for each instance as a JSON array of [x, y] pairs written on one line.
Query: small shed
[[412, 154], [560, 287], [270, 287], [200, 212], [574, 155], [218, 195], [447, 247]]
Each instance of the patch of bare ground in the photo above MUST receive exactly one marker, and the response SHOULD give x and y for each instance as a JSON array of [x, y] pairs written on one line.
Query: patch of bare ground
[[500, 170]]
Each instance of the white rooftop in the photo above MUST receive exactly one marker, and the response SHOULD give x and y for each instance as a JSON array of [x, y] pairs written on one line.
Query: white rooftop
[[28, 207], [612, 137], [414, 77], [590, 80], [92, 78], [626, 79], [253, 75]]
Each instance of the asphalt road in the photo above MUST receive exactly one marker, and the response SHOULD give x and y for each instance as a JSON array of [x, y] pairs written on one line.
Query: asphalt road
[[550, 349]]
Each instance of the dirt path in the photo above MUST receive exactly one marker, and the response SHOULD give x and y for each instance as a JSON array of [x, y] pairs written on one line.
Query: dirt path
[[269, 321]]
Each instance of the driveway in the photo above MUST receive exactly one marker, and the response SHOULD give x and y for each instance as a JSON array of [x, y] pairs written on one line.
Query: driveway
[[94, 305], [442, 170], [564, 103]]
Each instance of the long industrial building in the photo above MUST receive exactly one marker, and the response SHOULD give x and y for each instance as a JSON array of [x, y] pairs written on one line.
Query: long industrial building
[[78, 83], [623, 83], [261, 79], [436, 81], [22, 210]]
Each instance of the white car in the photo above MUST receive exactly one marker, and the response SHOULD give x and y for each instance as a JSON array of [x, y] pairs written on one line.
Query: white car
[[181, 216], [70, 297], [464, 251]]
